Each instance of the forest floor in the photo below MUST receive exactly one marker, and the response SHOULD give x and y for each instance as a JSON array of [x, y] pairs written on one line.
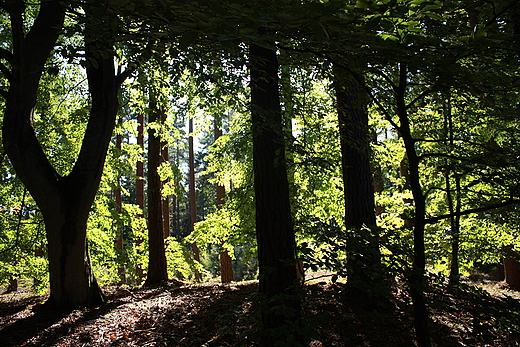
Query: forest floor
[[485, 313]]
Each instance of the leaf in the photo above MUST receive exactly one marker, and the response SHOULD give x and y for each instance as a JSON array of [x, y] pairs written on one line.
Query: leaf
[[187, 39]]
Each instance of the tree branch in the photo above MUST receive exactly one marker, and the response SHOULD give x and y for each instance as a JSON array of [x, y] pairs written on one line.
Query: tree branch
[[470, 211]]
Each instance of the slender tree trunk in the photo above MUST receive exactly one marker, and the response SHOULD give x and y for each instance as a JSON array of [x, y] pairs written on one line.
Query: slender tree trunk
[[193, 197], [364, 267], [226, 264], [455, 229], [157, 270], [416, 277], [274, 230], [165, 158], [64, 201], [139, 185], [119, 210]]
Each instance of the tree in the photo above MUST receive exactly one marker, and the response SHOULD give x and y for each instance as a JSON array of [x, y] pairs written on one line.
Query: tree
[[157, 270], [64, 200], [274, 230], [364, 265], [226, 265]]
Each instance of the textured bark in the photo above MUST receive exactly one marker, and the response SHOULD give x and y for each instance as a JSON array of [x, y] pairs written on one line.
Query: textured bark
[[157, 270], [364, 266], [274, 230], [64, 201]]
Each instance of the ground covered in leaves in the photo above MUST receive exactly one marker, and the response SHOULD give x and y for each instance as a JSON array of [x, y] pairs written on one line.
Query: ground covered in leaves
[[178, 314]]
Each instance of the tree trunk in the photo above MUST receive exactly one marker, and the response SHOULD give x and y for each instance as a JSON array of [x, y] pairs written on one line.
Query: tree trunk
[[119, 210], [139, 184], [157, 270], [274, 230], [193, 196], [226, 264], [364, 267], [511, 267], [165, 158], [64, 201], [416, 277]]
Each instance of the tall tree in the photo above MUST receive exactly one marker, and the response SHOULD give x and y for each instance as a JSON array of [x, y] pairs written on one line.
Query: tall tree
[[274, 229], [139, 184], [364, 265], [193, 200], [226, 264], [64, 201], [157, 270]]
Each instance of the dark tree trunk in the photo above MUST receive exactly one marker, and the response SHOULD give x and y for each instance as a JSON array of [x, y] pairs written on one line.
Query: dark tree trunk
[[157, 270], [363, 269], [274, 230], [417, 276], [65, 201]]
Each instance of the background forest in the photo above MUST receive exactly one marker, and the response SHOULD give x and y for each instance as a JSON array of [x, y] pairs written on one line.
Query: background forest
[[227, 140]]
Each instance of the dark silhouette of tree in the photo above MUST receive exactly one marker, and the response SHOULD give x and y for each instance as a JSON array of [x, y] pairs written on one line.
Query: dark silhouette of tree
[[364, 265], [274, 230], [64, 201]]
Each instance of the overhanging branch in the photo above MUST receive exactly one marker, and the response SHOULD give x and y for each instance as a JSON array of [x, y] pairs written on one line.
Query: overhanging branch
[[470, 211]]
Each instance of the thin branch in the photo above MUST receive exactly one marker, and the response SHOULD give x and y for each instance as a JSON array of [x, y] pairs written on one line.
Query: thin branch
[[470, 211], [419, 97]]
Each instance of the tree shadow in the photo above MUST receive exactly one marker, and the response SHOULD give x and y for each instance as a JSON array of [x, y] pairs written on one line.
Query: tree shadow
[[44, 326]]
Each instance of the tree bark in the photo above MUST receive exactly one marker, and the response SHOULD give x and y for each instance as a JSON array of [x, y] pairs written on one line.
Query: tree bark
[[364, 267], [157, 270], [416, 277], [274, 230], [139, 185], [511, 267], [119, 210], [226, 264], [64, 201], [193, 197]]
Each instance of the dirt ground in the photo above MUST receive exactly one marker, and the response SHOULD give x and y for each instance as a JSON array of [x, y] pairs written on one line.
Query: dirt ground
[[212, 314]]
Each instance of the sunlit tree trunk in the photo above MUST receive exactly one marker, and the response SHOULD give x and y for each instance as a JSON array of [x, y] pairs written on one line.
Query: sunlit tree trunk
[[226, 264], [157, 270], [119, 210], [139, 185], [193, 197]]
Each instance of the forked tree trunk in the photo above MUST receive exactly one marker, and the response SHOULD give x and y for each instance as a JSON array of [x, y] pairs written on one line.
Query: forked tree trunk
[[64, 201]]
